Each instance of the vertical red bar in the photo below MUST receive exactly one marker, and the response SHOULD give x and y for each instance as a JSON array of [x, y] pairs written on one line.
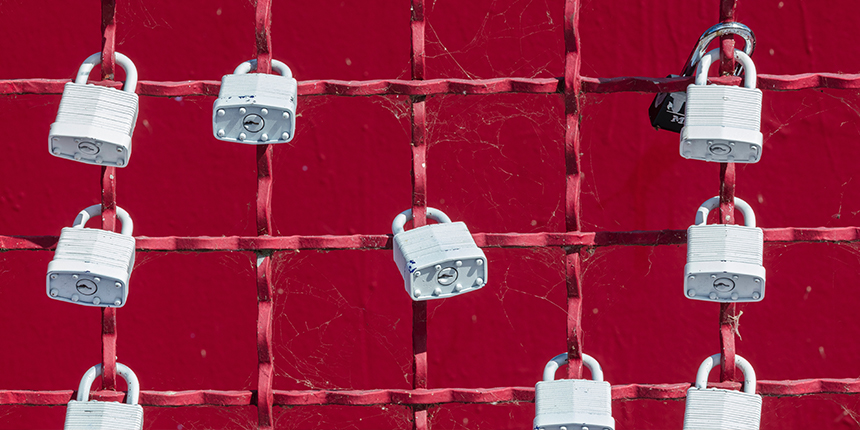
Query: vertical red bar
[[419, 207], [573, 178], [108, 185], [728, 311], [265, 358]]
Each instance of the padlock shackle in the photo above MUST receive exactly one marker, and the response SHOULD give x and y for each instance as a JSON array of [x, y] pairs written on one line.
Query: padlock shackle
[[713, 361], [713, 202], [401, 219], [707, 60], [95, 210], [712, 33], [130, 70], [250, 65], [121, 370], [589, 362]]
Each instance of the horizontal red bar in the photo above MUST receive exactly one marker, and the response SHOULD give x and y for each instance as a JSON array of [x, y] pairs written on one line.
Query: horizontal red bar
[[484, 240], [454, 86], [418, 397]]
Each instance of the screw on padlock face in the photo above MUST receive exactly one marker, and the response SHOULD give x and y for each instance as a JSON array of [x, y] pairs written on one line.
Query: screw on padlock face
[[713, 408], [94, 124], [668, 111], [438, 260], [724, 262], [573, 403], [91, 267], [256, 108]]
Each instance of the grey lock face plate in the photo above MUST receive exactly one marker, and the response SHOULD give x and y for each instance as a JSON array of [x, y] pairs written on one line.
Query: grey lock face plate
[[84, 289]]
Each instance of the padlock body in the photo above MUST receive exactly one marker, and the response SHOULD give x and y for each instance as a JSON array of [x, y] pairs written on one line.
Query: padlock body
[[574, 404], [462, 266], [717, 409], [724, 263], [255, 108], [722, 124], [94, 125], [667, 111], [91, 267], [95, 415]]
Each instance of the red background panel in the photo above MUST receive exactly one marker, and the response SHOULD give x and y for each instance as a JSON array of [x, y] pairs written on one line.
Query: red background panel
[[335, 341]]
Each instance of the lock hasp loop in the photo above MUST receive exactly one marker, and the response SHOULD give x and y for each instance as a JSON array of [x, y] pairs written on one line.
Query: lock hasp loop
[[713, 361], [714, 54], [250, 65], [712, 33], [121, 370], [124, 62], [95, 210], [405, 216], [714, 202], [589, 362]]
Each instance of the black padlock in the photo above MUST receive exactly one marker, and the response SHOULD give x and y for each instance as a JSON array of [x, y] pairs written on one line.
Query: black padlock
[[667, 111]]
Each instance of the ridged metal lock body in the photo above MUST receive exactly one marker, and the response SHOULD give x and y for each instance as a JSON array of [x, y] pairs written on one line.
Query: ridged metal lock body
[[91, 267], [668, 110], [256, 108], [94, 124], [96, 415], [573, 404], [438, 260], [724, 262], [718, 409], [723, 123]]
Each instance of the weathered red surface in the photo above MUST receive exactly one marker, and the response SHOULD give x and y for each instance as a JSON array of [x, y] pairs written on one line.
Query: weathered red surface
[[580, 207]]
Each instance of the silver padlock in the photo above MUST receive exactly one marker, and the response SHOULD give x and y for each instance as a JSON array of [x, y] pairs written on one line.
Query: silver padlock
[[85, 414], [437, 260], [573, 404], [256, 108], [94, 123], [718, 409], [91, 266], [723, 122], [724, 262]]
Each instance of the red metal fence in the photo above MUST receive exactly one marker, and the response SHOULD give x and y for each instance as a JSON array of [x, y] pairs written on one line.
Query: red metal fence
[[574, 241]]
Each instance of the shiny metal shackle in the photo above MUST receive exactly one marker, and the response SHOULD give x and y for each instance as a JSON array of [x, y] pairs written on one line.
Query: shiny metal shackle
[[713, 202], [250, 65], [95, 210], [712, 33], [713, 361], [704, 65], [561, 359], [401, 219], [121, 370], [130, 70]]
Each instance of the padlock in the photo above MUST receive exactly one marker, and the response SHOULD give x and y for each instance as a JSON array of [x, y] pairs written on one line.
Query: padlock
[[573, 404], [724, 262], [667, 112], [256, 108], [91, 266], [723, 122], [94, 123], [437, 260], [84, 414], [718, 409]]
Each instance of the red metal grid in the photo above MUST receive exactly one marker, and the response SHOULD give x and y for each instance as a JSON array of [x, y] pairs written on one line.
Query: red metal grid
[[384, 87], [573, 240]]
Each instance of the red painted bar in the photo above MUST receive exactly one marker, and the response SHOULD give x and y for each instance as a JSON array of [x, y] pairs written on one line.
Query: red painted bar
[[573, 184], [108, 186], [333, 87], [419, 205], [418, 397], [836, 235], [265, 315]]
